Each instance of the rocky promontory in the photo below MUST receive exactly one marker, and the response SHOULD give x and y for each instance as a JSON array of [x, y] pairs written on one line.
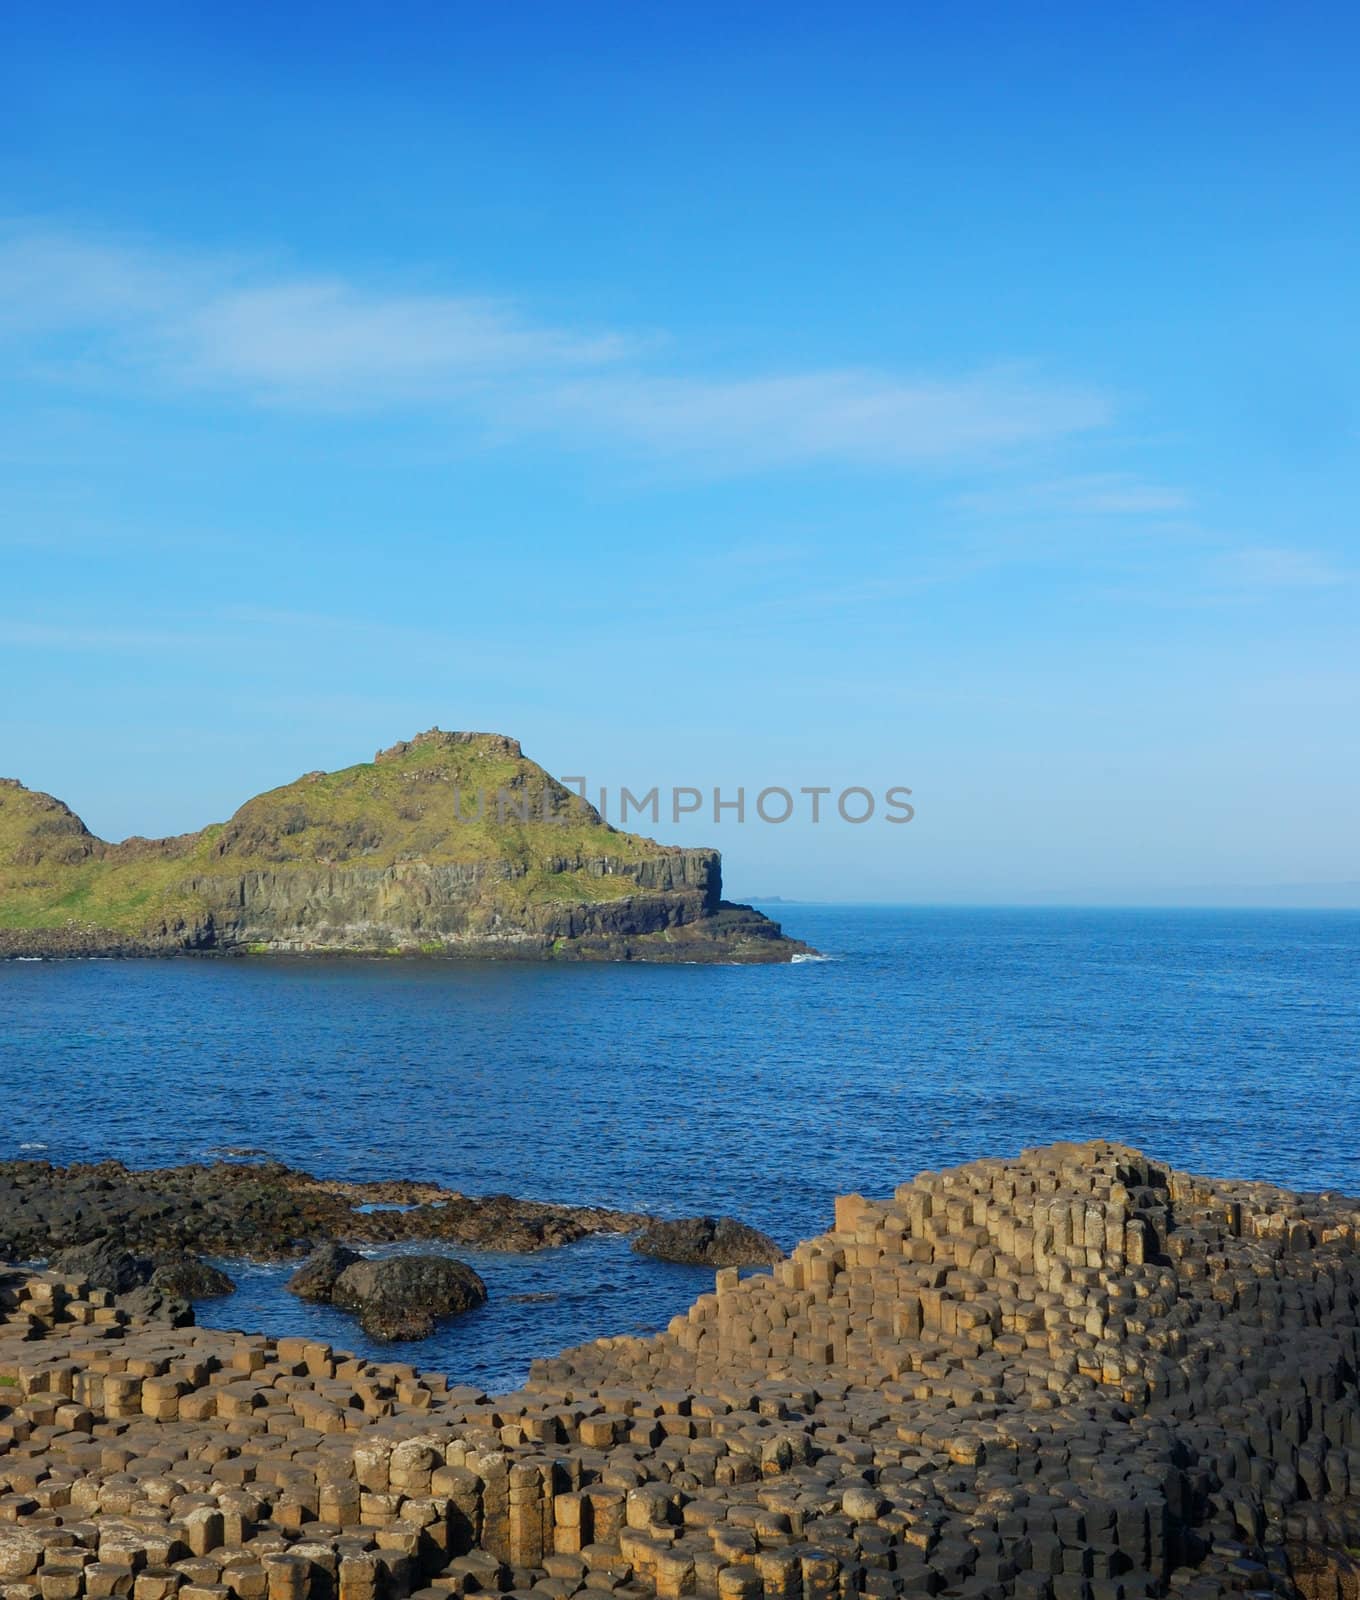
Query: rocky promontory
[[1077, 1374], [448, 844]]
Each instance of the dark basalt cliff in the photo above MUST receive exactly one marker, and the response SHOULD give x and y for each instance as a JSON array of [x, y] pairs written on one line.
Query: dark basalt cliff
[[446, 844]]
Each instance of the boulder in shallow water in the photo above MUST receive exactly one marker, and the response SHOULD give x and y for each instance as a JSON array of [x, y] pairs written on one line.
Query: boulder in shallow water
[[708, 1242], [315, 1279], [400, 1297], [190, 1278]]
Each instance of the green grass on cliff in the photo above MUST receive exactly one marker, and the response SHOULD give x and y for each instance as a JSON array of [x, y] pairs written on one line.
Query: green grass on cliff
[[434, 803], [396, 811], [98, 894]]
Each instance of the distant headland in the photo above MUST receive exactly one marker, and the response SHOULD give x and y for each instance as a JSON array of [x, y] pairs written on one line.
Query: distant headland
[[447, 844]]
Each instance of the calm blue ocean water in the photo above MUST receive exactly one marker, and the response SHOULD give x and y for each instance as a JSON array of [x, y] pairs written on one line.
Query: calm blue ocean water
[[1222, 1041]]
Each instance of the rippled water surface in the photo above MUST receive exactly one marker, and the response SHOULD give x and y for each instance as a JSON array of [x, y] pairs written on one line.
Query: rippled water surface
[[1222, 1041]]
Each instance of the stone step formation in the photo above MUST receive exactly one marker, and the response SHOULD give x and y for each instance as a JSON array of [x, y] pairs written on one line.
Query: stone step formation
[[1076, 1375]]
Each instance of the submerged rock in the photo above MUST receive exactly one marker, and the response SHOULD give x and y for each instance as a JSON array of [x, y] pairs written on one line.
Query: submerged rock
[[400, 1297], [708, 1242]]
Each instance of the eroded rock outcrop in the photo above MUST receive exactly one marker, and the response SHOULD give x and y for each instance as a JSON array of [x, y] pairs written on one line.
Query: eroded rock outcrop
[[190, 1279]]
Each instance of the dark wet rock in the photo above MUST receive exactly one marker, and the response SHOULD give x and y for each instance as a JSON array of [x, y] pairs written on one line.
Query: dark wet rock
[[401, 1296], [315, 1279], [154, 1305], [103, 1264], [708, 1242], [157, 1291], [122, 1228], [264, 1211], [188, 1278]]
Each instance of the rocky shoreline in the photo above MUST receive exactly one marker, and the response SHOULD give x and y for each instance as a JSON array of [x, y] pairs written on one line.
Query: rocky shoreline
[[142, 1234], [262, 1210], [1076, 1375], [265, 1211], [719, 935]]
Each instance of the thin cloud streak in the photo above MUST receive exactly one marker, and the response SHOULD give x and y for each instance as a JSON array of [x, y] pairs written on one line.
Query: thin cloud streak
[[855, 417], [321, 342], [79, 639], [255, 634], [86, 314], [1089, 495], [1272, 567]]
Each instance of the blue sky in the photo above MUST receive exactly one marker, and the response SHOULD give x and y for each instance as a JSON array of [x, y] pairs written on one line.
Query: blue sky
[[963, 398]]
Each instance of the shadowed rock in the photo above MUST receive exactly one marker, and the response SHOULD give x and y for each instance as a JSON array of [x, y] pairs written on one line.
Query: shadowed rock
[[144, 1288], [104, 1264], [708, 1242], [315, 1278], [153, 1305], [188, 1278]]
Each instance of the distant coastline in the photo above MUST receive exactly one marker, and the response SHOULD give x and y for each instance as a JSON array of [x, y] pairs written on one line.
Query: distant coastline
[[403, 855]]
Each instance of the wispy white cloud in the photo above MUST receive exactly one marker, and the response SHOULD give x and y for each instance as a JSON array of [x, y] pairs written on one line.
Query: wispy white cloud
[[1278, 567], [93, 638], [81, 312], [261, 635], [1222, 576], [855, 416], [323, 342], [57, 282], [1098, 494]]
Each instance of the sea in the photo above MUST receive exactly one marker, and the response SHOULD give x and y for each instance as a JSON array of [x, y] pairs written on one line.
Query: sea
[[1225, 1042]]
